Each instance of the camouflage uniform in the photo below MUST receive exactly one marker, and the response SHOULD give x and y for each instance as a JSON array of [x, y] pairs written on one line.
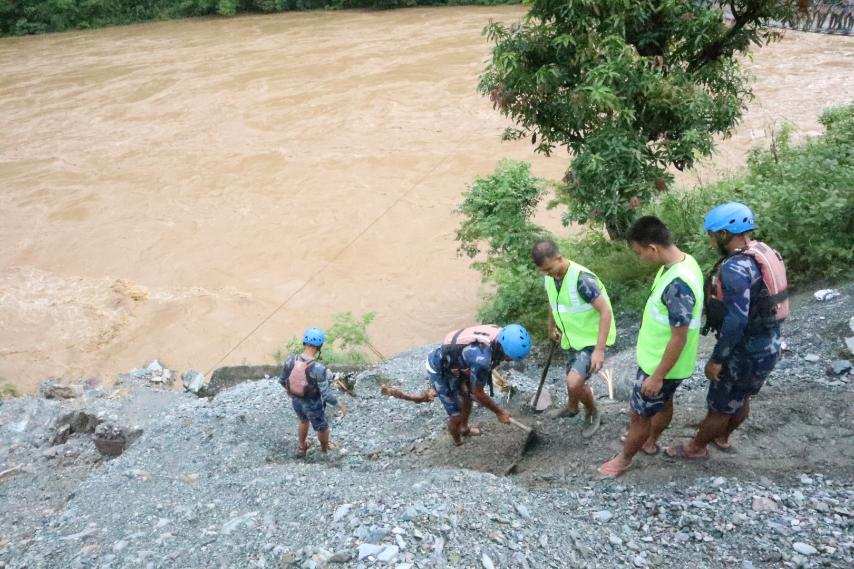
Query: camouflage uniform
[[579, 360], [476, 366], [747, 350], [308, 408], [679, 300]]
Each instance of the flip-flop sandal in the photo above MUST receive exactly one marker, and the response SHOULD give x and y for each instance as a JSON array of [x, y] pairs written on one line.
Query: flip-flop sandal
[[678, 451], [607, 471], [653, 453]]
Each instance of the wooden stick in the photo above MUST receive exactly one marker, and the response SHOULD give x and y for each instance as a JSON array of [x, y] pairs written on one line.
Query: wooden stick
[[10, 471], [521, 425]]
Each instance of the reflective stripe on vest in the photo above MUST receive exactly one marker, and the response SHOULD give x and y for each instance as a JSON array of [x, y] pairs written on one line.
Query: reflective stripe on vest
[[655, 331], [577, 319]]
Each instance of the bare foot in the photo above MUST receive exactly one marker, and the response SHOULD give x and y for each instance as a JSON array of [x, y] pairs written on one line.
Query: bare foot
[[470, 432], [722, 443], [614, 467]]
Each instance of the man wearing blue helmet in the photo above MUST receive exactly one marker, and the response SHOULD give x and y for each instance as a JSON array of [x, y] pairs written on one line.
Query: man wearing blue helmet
[[461, 367], [308, 382], [746, 300]]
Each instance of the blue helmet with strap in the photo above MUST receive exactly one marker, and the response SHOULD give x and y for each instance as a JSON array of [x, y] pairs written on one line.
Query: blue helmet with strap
[[732, 217], [314, 337], [515, 341]]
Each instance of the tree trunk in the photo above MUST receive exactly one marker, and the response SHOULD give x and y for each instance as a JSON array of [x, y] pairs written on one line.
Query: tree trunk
[[617, 228]]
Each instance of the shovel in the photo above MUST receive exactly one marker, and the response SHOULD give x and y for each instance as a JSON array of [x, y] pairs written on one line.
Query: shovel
[[538, 406], [531, 438]]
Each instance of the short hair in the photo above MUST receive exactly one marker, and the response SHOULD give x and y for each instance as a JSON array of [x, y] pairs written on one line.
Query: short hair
[[543, 250], [649, 230]]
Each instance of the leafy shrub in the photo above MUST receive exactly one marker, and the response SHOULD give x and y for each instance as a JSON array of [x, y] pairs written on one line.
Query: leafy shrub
[[7, 390], [802, 197], [346, 341], [498, 232]]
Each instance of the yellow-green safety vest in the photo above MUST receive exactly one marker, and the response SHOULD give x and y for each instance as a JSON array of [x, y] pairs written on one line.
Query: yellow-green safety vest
[[576, 318], [655, 328]]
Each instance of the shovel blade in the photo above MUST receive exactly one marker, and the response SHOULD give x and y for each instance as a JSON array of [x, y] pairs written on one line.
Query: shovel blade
[[543, 403]]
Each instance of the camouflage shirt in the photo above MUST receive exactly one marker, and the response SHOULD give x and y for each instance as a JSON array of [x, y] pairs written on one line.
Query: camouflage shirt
[[741, 280], [475, 358], [318, 373], [588, 288], [679, 300]]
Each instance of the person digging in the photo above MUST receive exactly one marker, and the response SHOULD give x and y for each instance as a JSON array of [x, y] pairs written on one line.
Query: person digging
[[308, 383], [582, 320], [460, 369], [667, 341]]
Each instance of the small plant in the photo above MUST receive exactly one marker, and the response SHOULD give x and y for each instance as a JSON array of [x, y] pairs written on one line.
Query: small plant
[[346, 341], [7, 391]]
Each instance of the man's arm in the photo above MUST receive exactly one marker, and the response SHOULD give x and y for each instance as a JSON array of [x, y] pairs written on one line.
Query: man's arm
[[485, 400], [554, 333], [680, 301], [324, 379], [735, 280], [678, 338], [605, 316], [425, 396]]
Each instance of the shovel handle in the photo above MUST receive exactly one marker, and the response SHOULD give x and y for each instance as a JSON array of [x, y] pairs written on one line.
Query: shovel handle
[[545, 373], [522, 426]]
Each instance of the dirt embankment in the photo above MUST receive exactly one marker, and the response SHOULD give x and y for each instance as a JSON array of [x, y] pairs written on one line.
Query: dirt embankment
[[216, 479]]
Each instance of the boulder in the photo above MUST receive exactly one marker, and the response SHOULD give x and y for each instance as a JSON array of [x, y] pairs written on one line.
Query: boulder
[[195, 383], [54, 389], [73, 422]]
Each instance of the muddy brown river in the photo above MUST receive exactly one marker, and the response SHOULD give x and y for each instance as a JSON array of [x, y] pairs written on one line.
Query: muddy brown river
[[164, 187]]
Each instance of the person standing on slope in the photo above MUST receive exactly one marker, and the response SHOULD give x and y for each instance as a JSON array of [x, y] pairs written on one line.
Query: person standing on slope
[[582, 320], [667, 341], [747, 299], [308, 383]]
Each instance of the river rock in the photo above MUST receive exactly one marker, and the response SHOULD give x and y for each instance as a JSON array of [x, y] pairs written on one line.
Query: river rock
[[388, 554], [762, 504], [804, 548], [194, 382], [812, 358], [839, 367], [53, 389], [603, 516], [826, 294], [369, 549]]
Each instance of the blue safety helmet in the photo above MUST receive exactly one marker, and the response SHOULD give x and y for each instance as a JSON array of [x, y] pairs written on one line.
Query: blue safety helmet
[[313, 337], [515, 341], [732, 217]]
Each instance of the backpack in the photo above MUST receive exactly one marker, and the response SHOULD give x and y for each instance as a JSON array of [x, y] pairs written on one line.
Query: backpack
[[299, 384], [772, 304], [456, 341]]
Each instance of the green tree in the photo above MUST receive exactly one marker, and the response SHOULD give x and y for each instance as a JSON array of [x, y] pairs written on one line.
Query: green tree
[[629, 87], [498, 233]]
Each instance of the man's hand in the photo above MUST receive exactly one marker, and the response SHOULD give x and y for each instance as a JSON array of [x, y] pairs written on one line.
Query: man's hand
[[597, 359], [652, 385], [503, 416], [713, 370]]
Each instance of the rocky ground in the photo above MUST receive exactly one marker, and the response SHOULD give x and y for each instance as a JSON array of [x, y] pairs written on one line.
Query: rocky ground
[[213, 482]]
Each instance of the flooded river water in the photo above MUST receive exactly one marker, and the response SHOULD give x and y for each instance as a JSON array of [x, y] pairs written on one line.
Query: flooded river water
[[164, 187]]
